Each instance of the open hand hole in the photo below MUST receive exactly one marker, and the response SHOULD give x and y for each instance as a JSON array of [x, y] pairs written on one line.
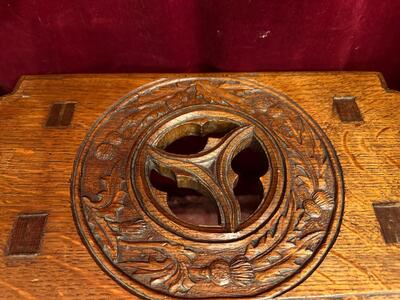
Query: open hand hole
[[187, 204], [193, 138], [187, 145], [250, 164]]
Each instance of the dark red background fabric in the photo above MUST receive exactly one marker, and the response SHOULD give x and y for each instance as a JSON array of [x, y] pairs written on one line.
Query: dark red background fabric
[[99, 36]]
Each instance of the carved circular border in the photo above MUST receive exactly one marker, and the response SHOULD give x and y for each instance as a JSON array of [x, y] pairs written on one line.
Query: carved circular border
[[260, 217], [140, 289]]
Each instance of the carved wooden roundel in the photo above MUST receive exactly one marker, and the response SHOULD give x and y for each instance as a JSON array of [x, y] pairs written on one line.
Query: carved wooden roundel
[[207, 188]]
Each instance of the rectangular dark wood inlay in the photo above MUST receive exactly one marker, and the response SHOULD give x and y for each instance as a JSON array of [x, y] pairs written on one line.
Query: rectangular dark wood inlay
[[347, 109], [388, 215], [61, 114], [27, 234]]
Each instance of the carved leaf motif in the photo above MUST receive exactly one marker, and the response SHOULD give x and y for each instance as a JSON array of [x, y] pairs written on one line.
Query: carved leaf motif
[[153, 115], [293, 250], [269, 240], [180, 93], [215, 94], [323, 172], [295, 230], [129, 230], [156, 260], [316, 208], [111, 192], [106, 151], [166, 267], [103, 211], [241, 271], [323, 200], [103, 236], [311, 208], [286, 257]]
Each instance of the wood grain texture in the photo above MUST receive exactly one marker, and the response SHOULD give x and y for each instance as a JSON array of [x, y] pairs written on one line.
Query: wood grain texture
[[34, 165]]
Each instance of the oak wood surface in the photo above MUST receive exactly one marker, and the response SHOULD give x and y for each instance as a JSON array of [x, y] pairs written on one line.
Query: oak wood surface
[[36, 165]]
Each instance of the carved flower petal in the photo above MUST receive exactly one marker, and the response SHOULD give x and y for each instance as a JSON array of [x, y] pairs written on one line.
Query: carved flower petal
[[105, 151], [242, 272], [220, 273], [311, 208], [323, 199]]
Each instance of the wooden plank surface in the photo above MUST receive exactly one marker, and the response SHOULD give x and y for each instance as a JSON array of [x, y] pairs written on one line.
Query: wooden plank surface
[[36, 165]]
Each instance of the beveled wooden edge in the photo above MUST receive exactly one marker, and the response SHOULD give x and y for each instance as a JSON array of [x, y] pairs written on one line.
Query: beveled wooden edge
[[24, 78]]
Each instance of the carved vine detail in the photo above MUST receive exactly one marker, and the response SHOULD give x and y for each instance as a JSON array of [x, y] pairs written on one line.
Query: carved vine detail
[[294, 233]]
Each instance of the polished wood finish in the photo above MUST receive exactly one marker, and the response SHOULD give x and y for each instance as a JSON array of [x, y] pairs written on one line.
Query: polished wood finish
[[37, 163]]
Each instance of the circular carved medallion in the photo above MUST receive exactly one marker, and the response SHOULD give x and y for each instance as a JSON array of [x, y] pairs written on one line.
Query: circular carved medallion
[[207, 187]]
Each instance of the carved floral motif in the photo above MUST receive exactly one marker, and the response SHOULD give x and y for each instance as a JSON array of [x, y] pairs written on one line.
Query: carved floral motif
[[251, 260]]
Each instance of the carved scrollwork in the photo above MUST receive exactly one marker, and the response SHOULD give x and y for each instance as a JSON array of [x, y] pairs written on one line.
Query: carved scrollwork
[[129, 227]]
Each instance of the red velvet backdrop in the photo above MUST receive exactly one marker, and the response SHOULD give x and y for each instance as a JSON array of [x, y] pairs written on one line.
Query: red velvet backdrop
[[92, 36]]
